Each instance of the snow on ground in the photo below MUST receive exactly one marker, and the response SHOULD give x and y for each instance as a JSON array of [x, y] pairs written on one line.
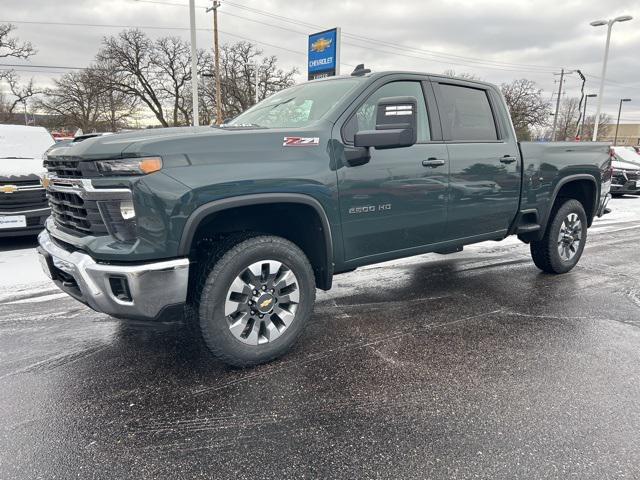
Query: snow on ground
[[20, 268]]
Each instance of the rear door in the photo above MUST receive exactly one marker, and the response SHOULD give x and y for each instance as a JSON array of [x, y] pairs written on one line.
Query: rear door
[[397, 200], [484, 159]]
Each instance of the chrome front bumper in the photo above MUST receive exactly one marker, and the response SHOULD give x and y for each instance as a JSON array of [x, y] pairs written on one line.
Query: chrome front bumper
[[151, 287]]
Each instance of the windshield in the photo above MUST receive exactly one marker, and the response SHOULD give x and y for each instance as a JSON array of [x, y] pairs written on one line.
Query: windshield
[[298, 106]]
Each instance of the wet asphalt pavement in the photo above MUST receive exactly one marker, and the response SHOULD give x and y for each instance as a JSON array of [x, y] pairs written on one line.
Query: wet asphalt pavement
[[472, 365]]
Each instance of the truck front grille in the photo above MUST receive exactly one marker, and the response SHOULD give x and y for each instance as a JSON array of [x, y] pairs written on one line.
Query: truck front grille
[[63, 167], [72, 212], [20, 196]]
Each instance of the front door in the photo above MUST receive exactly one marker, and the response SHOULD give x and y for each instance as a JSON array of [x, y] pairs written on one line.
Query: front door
[[398, 199]]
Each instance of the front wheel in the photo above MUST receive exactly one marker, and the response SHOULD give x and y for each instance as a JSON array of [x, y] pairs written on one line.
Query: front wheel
[[256, 300], [564, 240]]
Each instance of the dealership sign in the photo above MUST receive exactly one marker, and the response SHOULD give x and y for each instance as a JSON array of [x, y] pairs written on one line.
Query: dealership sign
[[324, 54]]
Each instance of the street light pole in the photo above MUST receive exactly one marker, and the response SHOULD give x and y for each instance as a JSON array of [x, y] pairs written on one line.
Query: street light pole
[[555, 118], [584, 115], [615, 139], [609, 24], [194, 63]]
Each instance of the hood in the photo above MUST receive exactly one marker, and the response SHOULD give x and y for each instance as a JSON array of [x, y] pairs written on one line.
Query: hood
[[114, 146], [625, 165], [191, 145], [21, 151]]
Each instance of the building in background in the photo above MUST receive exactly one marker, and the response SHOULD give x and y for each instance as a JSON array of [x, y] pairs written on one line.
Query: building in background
[[628, 134]]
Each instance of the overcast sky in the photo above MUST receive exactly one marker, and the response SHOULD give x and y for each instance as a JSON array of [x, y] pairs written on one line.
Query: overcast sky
[[498, 40]]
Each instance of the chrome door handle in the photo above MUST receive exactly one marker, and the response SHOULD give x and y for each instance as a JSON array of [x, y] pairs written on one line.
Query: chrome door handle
[[508, 159], [433, 163]]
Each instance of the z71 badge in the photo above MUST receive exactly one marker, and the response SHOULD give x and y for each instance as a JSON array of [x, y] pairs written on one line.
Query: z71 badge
[[301, 141]]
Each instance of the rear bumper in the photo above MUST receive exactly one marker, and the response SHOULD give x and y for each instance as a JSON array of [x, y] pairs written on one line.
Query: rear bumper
[[142, 291]]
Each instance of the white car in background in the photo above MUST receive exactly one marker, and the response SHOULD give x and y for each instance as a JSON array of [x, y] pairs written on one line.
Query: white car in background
[[23, 200], [625, 162]]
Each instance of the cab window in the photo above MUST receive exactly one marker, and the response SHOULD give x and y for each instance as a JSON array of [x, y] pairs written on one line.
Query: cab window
[[365, 116], [466, 113]]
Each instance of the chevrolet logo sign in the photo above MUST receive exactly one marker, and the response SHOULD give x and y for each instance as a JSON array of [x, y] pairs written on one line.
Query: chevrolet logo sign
[[45, 181], [321, 45], [8, 188], [266, 303]]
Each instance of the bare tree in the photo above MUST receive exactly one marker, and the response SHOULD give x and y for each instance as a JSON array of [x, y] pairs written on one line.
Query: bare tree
[[450, 72], [12, 47], [20, 92], [238, 63], [157, 73], [86, 100], [75, 99], [131, 56], [604, 127], [529, 109], [567, 119]]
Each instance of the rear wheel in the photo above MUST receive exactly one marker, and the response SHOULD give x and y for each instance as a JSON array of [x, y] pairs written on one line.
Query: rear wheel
[[255, 300], [564, 240]]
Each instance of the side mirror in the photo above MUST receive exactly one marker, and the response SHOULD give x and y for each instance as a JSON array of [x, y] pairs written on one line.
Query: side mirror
[[396, 124]]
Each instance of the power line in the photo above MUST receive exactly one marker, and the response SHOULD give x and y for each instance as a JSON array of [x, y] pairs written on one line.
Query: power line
[[153, 27], [393, 45], [444, 57]]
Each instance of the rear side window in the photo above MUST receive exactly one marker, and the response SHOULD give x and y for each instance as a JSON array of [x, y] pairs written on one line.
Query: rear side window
[[466, 114]]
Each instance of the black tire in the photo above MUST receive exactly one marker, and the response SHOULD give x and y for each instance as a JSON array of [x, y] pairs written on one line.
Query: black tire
[[218, 271], [545, 252]]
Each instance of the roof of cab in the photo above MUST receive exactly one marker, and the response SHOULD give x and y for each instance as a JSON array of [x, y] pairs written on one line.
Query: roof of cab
[[375, 75]]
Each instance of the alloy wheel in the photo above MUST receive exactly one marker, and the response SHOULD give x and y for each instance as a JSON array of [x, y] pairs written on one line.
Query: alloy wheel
[[261, 302], [569, 237]]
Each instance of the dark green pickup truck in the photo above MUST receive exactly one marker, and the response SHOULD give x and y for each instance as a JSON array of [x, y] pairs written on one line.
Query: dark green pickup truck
[[236, 226]]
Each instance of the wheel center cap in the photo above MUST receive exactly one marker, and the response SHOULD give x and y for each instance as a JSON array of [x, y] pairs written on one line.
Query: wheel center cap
[[265, 303]]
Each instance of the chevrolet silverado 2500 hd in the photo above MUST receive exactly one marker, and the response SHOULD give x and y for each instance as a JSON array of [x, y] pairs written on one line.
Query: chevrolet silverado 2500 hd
[[239, 224]]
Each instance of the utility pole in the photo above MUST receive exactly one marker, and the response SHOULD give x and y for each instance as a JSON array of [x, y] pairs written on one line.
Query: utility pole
[[615, 139], [216, 54], [194, 63], [257, 70], [555, 117]]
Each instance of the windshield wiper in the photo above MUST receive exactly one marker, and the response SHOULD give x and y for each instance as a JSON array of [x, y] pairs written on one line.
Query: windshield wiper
[[239, 125]]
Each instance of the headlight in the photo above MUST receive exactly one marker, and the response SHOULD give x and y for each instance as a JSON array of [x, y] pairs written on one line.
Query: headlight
[[130, 166]]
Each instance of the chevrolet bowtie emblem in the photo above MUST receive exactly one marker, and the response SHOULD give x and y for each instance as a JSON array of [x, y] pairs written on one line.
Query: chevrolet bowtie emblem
[[8, 188], [45, 181], [266, 303], [321, 44]]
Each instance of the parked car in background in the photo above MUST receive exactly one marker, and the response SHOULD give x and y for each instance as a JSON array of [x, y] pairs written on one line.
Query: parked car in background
[[23, 200], [625, 179]]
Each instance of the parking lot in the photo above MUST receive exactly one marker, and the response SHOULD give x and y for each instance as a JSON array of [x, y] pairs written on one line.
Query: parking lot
[[472, 365]]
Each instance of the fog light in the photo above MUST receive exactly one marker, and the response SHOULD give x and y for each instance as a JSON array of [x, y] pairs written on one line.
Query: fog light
[[126, 210]]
